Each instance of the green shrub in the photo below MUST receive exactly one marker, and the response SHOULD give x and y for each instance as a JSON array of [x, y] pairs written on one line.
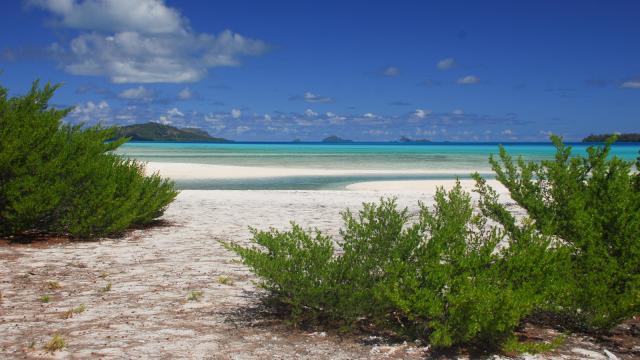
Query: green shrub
[[592, 206], [443, 277], [64, 179]]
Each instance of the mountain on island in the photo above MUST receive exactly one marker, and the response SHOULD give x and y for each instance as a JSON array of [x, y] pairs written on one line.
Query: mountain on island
[[335, 139], [630, 137], [152, 131], [405, 139]]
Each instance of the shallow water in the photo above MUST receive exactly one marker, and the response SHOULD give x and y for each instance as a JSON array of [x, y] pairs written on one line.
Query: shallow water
[[454, 159]]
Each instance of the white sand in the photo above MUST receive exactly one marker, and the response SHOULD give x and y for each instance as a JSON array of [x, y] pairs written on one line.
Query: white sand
[[186, 171], [427, 186], [146, 313]]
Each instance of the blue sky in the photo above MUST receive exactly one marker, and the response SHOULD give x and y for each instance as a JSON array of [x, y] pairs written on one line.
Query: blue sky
[[363, 70]]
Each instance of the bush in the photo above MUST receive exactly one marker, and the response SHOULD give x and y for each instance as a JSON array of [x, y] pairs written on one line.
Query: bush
[[63, 179], [592, 205], [447, 277]]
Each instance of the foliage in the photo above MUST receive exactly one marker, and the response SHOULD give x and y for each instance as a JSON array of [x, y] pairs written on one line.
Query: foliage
[[514, 346], [194, 295], [446, 276], [629, 137], [592, 206], [63, 179], [56, 343]]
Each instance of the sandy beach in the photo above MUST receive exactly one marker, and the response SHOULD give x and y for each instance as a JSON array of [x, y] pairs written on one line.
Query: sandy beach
[[146, 312], [135, 289], [182, 171]]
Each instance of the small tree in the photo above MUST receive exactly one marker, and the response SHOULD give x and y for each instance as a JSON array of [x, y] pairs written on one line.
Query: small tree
[[591, 205], [64, 179]]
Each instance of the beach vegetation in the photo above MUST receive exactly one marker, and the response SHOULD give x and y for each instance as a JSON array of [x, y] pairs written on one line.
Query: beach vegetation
[[195, 295], [54, 285], [591, 205], [74, 311], [45, 298], [56, 343], [443, 275], [513, 345], [225, 280], [106, 288], [64, 179]]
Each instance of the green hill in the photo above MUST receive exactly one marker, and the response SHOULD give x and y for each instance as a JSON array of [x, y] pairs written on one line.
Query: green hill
[[630, 137], [335, 139], [157, 132]]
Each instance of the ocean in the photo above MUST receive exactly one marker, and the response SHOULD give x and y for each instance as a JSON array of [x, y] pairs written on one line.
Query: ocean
[[446, 160]]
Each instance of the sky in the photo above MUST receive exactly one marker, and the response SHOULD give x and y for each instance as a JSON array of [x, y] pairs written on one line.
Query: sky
[[361, 70]]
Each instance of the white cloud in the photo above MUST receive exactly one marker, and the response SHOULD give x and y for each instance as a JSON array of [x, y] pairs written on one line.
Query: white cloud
[[458, 112], [139, 93], [141, 42], [146, 16], [421, 113], [91, 112], [313, 98], [174, 112], [185, 94], [507, 132], [391, 71], [242, 129], [369, 115], [468, 80], [446, 64], [310, 113], [236, 113], [171, 116], [631, 84]]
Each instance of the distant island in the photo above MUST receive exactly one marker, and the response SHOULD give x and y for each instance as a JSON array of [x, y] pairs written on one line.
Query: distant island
[[630, 137], [335, 139], [152, 131], [405, 139]]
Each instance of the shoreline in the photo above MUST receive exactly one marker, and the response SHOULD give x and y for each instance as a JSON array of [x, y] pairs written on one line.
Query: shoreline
[[196, 171]]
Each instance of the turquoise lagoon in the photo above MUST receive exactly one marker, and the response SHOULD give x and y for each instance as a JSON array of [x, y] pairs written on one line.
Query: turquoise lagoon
[[446, 160]]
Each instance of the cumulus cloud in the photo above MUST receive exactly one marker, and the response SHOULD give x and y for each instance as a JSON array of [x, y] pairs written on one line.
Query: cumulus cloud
[[173, 116], [458, 112], [139, 93], [310, 113], [91, 113], [468, 80], [421, 113], [391, 71], [241, 129], [308, 125], [185, 94], [149, 16], [446, 64], [141, 42], [631, 84], [312, 98]]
